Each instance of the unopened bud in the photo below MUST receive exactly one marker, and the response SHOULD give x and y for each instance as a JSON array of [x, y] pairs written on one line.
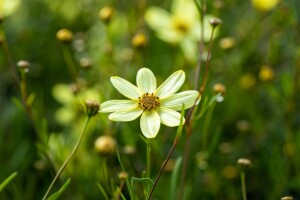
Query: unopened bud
[[215, 22], [266, 73], [23, 65], [139, 40], [105, 145], [85, 63], [287, 198], [219, 88], [106, 14], [244, 163], [123, 176], [64, 35], [91, 107]]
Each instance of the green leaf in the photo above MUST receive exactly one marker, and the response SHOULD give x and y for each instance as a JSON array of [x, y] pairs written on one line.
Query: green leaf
[[8, 180], [174, 178], [102, 191], [146, 181], [60, 191]]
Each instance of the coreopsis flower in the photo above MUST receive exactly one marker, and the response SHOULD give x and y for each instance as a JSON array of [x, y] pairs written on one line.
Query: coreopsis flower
[[154, 104], [264, 5], [181, 26]]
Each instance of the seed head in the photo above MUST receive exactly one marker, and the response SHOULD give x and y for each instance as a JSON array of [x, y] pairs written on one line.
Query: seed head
[[106, 14], [23, 65], [244, 163], [123, 176], [105, 145], [91, 107], [139, 40], [85, 63], [64, 35], [287, 198], [215, 22], [219, 88]]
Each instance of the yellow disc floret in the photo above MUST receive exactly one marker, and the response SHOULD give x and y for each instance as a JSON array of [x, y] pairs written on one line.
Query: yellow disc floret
[[148, 101]]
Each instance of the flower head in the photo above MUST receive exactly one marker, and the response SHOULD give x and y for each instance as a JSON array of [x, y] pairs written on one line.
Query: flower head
[[154, 104], [180, 26]]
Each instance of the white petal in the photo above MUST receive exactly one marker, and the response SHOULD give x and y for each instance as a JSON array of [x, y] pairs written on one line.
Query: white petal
[[117, 105], [170, 117], [146, 81], [126, 115], [175, 101], [150, 124], [126, 88], [171, 85]]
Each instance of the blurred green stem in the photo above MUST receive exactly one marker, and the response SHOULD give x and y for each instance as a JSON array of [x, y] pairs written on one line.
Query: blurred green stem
[[206, 125], [69, 158], [243, 185], [69, 62], [148, 162]]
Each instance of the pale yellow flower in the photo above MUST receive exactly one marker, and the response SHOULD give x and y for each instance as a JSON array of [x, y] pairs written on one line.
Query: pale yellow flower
[[154, 104], [180, 26], [264, 5]]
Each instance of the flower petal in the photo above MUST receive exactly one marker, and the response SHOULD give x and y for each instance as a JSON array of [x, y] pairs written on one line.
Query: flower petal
[[171, 85], [126, 88], [150, 124], [175, 101], [170, 117], [146, 81], [126, 115], [117, 105]]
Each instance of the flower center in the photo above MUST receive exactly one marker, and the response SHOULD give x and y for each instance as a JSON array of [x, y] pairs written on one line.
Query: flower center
[[180, 26], [148, 101]]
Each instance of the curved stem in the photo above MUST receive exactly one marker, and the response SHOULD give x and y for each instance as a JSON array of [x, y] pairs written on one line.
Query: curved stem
[[69, 62], [69, 158]]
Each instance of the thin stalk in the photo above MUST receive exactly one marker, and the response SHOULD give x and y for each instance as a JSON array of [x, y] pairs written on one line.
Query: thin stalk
[[243, 185], [9, 57], [201, 46], [69, 158], [69, 62], [163, 167], [148, 161], [189, 115]]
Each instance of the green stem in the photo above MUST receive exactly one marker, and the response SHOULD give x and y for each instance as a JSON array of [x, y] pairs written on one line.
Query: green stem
[[206, 126], [69, 62], [148, 161], [69, 158], [243, 185]]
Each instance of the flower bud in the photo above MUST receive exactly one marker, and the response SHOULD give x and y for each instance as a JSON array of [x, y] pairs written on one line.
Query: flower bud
[[91, 107], [215, 22], [266, 73], [123, 176], [287, 198], [105, 145], [85, 63], [219, 88], [23, 65], [227, 43], [244, 163], [64, 35], [139, 40], [106, 14]]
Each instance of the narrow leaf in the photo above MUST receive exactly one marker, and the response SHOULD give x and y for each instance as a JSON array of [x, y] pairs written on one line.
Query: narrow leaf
[[60, 191], [8, 180]]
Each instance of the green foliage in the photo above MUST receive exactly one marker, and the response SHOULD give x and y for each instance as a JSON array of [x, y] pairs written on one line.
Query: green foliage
[[255, 56]]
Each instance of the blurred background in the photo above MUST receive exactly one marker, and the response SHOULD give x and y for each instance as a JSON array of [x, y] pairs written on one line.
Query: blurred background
[[74, 47]]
